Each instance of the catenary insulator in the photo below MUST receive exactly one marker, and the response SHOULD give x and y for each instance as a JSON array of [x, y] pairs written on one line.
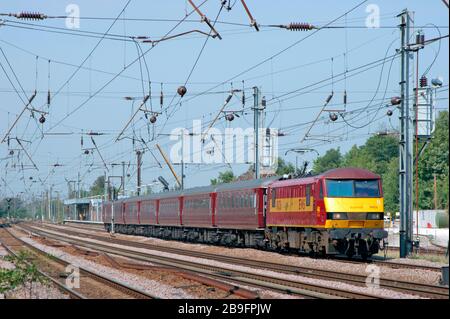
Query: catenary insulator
[[329, 98], [86, 152], [11, 152], [389, 112], [29, 16], [153, 119], [423, 81], [42, 119], [420, 38], [299, 27]]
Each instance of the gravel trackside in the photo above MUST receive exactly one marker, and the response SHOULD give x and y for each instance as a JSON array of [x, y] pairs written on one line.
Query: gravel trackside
[[378, 292], [149, 286], [413, 275]]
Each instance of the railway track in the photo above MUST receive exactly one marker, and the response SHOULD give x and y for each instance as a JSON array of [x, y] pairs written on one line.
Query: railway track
[[229, 274], [390, 264], [423, 290], [92, 285], [359, 280], [440, 251], [11, 244], [380, 262], [93, 227]]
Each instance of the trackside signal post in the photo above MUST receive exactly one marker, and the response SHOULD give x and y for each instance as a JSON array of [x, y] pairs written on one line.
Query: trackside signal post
[[256, 110], [406, 141]]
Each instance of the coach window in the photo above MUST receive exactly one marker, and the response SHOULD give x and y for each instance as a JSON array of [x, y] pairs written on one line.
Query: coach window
[[274, 197], [308, 195]]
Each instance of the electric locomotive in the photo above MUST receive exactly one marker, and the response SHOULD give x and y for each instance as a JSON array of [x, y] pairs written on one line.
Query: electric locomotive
[[338, 212]]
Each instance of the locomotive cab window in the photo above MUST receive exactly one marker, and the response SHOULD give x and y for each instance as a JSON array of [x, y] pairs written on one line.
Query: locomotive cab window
[[353, 188]]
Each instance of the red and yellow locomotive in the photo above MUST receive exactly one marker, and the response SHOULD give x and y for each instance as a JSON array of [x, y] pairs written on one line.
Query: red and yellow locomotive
[[337, 212]]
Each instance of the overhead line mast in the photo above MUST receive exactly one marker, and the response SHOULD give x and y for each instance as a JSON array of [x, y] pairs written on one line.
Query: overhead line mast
[[406, 142]]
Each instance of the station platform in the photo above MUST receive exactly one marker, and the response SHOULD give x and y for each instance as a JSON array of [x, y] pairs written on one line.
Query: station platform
[[82, 222]]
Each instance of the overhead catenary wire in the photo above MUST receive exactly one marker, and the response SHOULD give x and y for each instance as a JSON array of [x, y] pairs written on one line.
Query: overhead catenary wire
[[194, 65], [91, 52], [278, 53], [26, 103], [171, 122], [111, 80]]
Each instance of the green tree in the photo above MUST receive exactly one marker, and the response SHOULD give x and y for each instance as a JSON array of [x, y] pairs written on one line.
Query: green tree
[[390, 186], [284, 168], [375, 155], [224, 177], [434, 161], [98, 187], [380, 155], [331, 159], [17, 208]]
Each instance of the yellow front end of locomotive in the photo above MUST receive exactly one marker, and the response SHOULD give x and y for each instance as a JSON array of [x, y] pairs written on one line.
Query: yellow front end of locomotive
[[346, 212]]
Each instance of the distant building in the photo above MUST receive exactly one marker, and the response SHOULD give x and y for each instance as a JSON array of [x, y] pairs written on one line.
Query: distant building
[[431, 218], [88, 209], [76, 208]]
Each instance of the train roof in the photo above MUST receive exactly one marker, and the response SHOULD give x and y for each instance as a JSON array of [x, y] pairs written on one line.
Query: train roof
[[338, 173], [249, 184], [349, 173], [294, 181]]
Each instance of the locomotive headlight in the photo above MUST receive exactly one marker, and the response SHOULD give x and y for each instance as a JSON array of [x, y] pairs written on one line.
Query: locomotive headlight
[[375, 216], [337, 216]]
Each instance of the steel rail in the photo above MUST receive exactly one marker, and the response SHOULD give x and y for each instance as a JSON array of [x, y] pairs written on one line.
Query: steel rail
[[72, 293], [132, 291], [425, 290], [267, 281]]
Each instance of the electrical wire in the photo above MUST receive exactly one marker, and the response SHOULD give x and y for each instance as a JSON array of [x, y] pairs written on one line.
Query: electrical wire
[[438, 51], [279, 52], [114, 77], [91, 52]]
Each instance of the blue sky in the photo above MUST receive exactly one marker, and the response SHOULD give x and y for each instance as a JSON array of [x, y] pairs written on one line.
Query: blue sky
[[170, 62]]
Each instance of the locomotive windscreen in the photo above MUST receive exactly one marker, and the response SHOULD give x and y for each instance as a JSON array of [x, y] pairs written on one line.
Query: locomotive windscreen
[[352, 188]]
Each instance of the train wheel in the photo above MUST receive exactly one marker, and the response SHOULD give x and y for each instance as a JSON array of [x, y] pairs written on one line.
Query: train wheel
[[364, 256], [350, 251]]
